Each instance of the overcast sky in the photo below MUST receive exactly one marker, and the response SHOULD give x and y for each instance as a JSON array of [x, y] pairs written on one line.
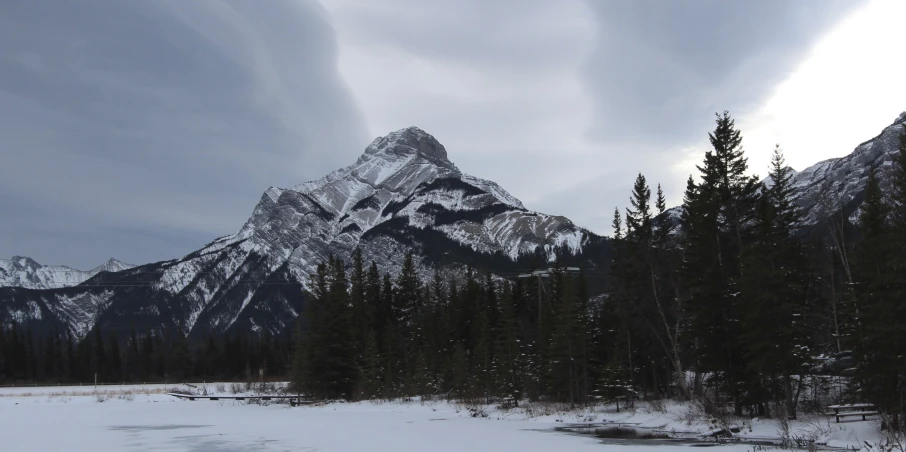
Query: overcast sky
[[143, 130]]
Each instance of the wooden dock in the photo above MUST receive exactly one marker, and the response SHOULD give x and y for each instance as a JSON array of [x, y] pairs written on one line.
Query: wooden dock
[[293, 399]]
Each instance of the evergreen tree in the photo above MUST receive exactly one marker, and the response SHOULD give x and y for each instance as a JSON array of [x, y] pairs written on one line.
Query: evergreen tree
[[340, 375], [775, 290], [894, 313], [372, 369], [358, 300], [299, 375], [408, 297], [879, 345], [638, 219], [715, 218], [116, 367], [508, 359]]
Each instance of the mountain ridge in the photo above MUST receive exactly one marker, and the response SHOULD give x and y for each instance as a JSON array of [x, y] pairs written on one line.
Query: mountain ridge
[[23, 271], [835, 185], [402, 194]]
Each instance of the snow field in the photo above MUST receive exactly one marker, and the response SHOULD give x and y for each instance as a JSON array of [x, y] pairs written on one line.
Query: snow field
[[37, 419], [144, 418]]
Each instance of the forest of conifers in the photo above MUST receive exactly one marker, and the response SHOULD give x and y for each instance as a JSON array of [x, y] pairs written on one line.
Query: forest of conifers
[[730, 301]]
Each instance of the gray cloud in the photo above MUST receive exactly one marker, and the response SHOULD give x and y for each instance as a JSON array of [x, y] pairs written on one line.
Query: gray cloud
[[145, 129], [563, 103], [661, 68]]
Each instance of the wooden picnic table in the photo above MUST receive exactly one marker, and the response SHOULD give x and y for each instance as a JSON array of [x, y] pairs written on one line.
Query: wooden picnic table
[[862, 410]]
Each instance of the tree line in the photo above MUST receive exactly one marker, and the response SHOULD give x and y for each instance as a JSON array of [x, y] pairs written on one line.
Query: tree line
[[31, 357], [468, 336], [742, 298], [727, 300]]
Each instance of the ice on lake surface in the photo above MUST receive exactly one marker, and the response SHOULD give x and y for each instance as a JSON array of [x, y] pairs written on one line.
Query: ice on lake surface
[[57, 420]]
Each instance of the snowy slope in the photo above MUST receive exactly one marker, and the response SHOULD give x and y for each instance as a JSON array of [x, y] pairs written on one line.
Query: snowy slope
[[836, 185], [25, 272], [403, 194]]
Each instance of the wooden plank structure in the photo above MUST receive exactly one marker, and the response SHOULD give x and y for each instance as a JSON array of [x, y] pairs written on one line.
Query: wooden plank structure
[[294, 400], [862, 410]]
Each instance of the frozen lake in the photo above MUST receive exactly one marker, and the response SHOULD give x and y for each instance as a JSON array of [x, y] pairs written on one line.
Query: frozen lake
[[30, 420]]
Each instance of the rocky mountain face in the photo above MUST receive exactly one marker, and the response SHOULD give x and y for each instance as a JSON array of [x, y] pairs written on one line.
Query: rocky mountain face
[[402, 194], [835, 185], [25, 272]]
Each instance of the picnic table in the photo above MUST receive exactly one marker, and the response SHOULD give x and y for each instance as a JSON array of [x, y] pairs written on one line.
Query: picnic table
[[294, 400], [862, 410]]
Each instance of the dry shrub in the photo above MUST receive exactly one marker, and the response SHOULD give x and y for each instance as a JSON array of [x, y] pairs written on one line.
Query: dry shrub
[[658, 405]]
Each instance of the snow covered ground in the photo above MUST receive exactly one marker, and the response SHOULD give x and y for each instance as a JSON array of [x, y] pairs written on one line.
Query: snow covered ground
[[142, 419]]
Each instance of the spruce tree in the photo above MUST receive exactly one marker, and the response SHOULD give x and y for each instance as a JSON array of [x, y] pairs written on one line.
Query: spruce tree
[[775, 290], [879, 345], [99, 361], [341, 371], [717, 212], [299, 374], [508, 356], [361, 310], [116, 369], [372, 370], [638, 219], [896, 311]]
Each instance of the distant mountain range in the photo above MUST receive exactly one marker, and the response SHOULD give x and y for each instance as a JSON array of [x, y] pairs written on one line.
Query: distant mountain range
[[25, 272], [402, 194]]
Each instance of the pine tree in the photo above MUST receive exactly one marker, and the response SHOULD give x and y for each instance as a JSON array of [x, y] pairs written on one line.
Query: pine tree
[[460, 383], [482, 355], [775, 290], [361, 310], [315, 315], [613, 385], [896, 311], [715, 218], [116, 367], [373, 298], [879, 271], [341, 372], [407, 293], [100, 355], [638, 219], [372, 370], [508, 356], [301, 363]]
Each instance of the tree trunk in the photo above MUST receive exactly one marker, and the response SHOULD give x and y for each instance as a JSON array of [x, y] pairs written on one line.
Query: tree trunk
[[788, 393]]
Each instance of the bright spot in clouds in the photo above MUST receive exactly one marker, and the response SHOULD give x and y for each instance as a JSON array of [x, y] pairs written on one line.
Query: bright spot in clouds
[[849, 88]]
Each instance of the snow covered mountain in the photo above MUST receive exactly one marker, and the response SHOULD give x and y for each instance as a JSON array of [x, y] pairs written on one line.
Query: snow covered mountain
[[25, 272], [402, 194], [835, 185]]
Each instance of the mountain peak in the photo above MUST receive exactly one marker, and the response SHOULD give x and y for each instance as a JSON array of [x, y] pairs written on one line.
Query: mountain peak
[[407, 142], [24, 261], [112, 265]]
